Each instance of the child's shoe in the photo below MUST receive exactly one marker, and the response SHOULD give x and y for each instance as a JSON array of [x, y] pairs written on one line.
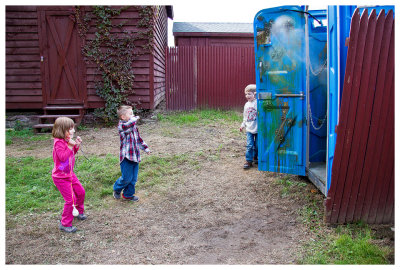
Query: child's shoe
[[81, 217], [70, 229], [116, 195], [133, 198], [247, 165]]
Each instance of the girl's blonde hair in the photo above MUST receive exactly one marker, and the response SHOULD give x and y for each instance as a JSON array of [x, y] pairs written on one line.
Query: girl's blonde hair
[[62, 125], [123, 110]]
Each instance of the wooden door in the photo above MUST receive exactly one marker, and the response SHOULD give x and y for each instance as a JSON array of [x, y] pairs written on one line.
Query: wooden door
[[62, 62]]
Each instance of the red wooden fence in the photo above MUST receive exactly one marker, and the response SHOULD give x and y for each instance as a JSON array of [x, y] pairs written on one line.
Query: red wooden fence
[[363, 165], [208, 77]]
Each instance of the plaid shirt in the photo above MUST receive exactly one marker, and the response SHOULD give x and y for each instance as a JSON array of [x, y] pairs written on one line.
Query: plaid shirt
[[130, 140]]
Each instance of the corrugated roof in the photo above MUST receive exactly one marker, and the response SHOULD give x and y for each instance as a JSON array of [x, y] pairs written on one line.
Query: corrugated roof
[[193, 27]]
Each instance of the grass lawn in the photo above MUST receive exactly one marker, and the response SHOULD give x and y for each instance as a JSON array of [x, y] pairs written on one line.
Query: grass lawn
[[343, 244], [30, 189]]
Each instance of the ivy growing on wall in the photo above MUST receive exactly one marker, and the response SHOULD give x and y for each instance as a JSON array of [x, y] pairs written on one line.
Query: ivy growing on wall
[[112, 49]]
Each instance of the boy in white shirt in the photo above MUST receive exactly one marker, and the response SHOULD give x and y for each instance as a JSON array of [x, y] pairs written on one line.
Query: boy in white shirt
[[250, 123]]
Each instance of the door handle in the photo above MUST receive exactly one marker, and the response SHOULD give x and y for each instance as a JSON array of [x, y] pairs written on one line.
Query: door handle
[[260, 66], [268, 95], [301, 95]]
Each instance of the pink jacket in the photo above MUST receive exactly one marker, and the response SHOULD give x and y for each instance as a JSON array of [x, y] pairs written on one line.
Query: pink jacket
[[64, 159]]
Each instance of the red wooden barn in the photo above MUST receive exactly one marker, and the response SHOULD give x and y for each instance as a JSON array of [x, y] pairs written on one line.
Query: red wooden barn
[[210, 66], [45, 67], [213, 34]]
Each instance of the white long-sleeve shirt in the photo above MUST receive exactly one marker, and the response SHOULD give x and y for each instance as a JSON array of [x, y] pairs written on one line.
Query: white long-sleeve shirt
[[250, 116]]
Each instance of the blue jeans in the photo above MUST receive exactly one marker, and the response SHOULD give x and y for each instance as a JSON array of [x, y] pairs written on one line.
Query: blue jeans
[[127, 181], [251, 148]]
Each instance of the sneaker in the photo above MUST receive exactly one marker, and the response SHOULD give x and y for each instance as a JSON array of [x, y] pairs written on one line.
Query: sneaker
[[81, 217], [116, 195], [247, 165], [70, 229], [133, 198]]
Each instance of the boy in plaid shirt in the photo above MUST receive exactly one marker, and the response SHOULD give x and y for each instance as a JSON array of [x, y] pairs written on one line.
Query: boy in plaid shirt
[[129, 156]]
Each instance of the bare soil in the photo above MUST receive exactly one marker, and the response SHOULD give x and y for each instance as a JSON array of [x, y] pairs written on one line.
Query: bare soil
[[218, 214]]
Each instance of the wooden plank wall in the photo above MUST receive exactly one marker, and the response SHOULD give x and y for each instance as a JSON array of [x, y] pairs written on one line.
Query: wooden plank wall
[[181, 87], [142, 65], [363, 166], [221, 40], [208, 77], [223, 73], [160, 44], [23, 78], [23, 74]]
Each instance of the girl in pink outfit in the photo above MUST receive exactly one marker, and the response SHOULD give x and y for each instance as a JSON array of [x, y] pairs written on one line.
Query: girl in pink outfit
[[63, 175]]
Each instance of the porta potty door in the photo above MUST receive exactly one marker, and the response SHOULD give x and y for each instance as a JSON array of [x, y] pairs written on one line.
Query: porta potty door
[[281, 89]]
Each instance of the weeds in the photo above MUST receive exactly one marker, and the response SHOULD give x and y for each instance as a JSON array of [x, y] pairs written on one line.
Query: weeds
[[161, 172], [289, 186], [347, 244], [30, 188], [26, 134], [351, 246], [200, 117]]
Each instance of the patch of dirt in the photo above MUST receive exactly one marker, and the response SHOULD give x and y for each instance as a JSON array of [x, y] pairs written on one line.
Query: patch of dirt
[[219, 214]]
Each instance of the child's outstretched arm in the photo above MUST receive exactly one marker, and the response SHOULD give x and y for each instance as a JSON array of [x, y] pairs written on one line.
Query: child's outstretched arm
[[127, 127], [142, 144]]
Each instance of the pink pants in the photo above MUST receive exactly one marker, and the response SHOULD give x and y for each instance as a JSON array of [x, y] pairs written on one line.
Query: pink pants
[[73, 193]]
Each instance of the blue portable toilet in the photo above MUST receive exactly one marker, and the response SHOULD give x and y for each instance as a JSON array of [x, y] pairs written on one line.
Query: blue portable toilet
[[289, 48], [300, 58], [280, 72]]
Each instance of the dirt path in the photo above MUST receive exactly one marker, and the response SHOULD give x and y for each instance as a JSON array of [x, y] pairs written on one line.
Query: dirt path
[[218, 214]]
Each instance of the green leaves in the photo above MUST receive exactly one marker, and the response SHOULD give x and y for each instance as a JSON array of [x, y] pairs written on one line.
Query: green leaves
[[113, 51]]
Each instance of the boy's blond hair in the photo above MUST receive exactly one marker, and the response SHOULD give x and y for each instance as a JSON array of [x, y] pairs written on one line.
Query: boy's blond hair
[[250, 88], [62, 125], [123, 110]]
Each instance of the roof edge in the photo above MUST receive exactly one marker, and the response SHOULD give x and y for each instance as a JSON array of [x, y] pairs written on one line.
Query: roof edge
[[170, 12], [212, 34]]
